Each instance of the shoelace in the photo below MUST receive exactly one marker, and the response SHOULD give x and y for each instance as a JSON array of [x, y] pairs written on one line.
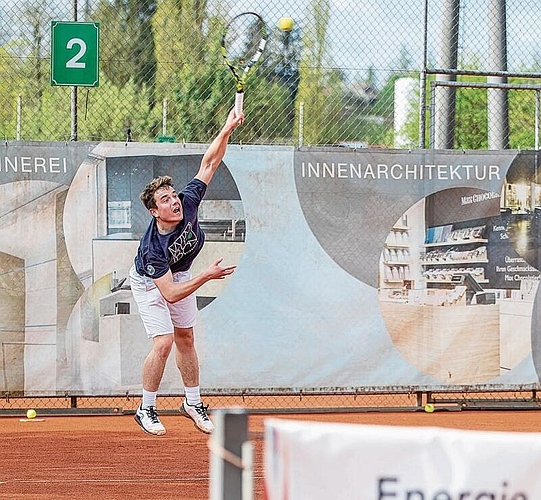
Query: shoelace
[[202, 411], [152, 414]]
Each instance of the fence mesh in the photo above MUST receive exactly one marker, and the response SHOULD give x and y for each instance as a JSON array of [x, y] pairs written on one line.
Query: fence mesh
[[286, 402], [347, 74], [332, 79]]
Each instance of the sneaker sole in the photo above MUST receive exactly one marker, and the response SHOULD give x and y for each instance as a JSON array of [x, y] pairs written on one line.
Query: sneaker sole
[[184, 413], [158, 433]]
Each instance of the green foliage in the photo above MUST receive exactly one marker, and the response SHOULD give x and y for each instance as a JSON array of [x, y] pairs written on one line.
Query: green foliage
[[9, 83], [471, 122], [313, 92], [119, 109], [127, 50], [471, 128], [472, 116], [522, 117]]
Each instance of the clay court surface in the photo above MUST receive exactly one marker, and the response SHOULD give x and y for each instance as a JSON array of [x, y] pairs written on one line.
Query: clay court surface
[[109, 457]]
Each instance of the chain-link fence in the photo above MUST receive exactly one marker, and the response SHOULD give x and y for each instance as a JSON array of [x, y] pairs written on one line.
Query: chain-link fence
[[346, 74], [335, 78], [319, 401]]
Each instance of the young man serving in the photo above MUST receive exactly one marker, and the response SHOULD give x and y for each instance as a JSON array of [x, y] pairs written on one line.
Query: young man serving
[[164, 288]]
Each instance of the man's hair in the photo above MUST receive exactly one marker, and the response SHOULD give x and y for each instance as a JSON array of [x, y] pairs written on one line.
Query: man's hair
[[147, 196]]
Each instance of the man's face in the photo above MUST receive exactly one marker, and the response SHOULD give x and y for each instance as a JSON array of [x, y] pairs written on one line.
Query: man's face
[[169, 208]]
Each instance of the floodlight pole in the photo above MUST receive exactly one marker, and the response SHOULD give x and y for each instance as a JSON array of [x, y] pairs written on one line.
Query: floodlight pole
[[445, 109], [73, 136], [422, 83], [497, 100]]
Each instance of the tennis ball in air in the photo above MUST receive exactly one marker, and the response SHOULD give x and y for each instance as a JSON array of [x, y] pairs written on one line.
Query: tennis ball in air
[[31, 414], [285, 23], [429, 407]]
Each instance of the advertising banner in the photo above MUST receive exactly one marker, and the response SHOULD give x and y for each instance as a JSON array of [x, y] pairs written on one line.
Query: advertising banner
[[378, 269], [322, 460]]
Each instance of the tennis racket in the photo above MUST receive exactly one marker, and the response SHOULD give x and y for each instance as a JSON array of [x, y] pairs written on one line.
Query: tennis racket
[[243, 42]]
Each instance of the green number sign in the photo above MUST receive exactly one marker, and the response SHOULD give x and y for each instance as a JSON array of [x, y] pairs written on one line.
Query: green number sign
[[75, 53]]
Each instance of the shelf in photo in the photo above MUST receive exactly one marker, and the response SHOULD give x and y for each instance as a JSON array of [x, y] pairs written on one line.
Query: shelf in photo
[[391, 264], [396, 245], [452, 243], [401, 228], [449, 282], [454, 262]]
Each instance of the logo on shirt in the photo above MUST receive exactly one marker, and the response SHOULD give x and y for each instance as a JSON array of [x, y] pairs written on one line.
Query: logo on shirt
[[150, 269], [184, 244]]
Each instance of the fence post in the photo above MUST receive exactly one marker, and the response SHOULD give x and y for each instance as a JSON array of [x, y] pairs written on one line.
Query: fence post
[[73, 101], [226, 460], [164, 117], [537, 106], [301, 123], [19, 116]]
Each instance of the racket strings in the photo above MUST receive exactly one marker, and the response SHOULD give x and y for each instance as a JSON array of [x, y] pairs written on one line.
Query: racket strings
[[243, 40]]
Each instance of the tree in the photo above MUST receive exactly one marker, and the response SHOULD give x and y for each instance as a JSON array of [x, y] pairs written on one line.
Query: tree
[[127, 43], [10, 82], [198, 86], [31, 45], [190, 73], [281, 66], [312, 83]]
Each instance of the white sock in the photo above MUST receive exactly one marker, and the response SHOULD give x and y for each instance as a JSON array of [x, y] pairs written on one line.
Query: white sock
[[149, 399], [193, 396]]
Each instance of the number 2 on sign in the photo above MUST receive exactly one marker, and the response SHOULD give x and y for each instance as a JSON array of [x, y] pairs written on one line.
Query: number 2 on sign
[[74, 61]]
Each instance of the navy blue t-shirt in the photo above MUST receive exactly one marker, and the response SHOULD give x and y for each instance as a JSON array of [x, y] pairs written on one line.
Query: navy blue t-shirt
[[176, 250]]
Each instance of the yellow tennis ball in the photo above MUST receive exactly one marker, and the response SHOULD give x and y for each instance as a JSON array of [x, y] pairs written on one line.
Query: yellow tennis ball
[[429, 408], [286, 23], [31, 414]]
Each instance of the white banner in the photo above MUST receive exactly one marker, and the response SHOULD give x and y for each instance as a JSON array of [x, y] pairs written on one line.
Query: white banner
[[308, 460], [383, 269]]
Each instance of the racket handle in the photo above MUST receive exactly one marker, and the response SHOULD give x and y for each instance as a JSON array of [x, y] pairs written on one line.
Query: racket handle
[[239, 101]]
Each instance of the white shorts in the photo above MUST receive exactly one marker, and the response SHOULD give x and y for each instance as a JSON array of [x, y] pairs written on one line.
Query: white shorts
[[159, 316]]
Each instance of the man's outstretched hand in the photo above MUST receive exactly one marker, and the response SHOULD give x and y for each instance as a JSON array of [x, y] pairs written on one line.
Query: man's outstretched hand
[[217, 272]]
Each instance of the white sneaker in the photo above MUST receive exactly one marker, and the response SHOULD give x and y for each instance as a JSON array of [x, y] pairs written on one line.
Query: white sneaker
[[149, 421], [198, 414]]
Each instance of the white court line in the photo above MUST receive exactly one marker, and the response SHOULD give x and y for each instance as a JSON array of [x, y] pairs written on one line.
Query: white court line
[[141, 480], [86, 467], [64, 481]]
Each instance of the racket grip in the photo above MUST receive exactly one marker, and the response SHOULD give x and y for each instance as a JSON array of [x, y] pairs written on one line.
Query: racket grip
[[239, 101]]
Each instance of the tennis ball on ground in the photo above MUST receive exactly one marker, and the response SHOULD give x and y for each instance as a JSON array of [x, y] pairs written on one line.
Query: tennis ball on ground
[[429, 407], [285, 23], [31, 414]]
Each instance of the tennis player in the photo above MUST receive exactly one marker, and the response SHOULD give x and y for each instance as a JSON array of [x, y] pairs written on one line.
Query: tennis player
[[164, 288]]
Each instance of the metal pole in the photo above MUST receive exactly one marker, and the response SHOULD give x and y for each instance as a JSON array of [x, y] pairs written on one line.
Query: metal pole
[[247, 470], [73, 136], [164, 117], [227, 465], [472, 72], [301, 123], [446, 98], [19, 116], [422, 83], [537, 106], [498, 106], [432, 115]]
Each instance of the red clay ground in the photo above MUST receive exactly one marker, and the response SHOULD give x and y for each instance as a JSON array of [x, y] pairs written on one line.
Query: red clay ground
[[109, 457]]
